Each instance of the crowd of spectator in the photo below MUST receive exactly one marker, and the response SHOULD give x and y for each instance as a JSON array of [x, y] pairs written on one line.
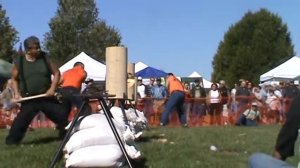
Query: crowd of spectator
[[217, 105], [221, 105]]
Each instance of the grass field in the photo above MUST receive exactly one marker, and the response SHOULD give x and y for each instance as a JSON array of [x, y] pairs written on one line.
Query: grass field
[[184, 148]]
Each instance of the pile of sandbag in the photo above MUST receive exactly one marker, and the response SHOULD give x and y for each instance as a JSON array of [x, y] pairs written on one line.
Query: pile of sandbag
[[93, 143], [137, 121]]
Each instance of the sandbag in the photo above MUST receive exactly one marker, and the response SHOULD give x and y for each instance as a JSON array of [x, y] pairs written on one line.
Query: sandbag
[[118, 114], [96, 156], [128, 136], [91, 137], [97, 120], [132, 151]]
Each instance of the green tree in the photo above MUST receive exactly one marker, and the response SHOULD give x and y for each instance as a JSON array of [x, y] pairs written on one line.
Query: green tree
[[254, 45], [76, 28], [8, 37]]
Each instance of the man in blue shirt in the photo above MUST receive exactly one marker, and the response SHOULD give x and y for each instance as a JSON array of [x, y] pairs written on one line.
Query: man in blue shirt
[[159, 91], [159, 95]]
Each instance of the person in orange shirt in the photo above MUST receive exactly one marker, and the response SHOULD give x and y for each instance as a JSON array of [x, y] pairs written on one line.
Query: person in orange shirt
[[176, 99], [71, 83]]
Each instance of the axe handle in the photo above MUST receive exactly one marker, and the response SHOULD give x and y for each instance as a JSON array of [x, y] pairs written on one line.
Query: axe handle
[[30, 97]]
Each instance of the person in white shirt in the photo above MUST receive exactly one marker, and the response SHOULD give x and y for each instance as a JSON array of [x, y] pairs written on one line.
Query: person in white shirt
[[215, 106], [141, 89]]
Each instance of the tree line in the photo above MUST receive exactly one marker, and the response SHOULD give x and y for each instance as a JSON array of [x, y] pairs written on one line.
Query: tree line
[[259, 41]]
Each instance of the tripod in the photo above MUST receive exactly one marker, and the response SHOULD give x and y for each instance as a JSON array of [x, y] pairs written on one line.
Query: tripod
[[108, 116]]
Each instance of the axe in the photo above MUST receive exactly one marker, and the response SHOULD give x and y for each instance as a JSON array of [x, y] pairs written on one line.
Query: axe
[[57, 96]]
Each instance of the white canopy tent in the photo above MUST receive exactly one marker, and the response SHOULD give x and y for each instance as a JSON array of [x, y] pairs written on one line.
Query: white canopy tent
[[139, 66], [285, 71], [95, 69], [206, 83]]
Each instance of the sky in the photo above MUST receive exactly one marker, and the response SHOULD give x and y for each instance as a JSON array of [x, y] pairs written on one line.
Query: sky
[[178, 36]]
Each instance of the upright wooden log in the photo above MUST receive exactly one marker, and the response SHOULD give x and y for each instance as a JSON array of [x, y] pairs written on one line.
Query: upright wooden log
[[131, 82], [116, 71]]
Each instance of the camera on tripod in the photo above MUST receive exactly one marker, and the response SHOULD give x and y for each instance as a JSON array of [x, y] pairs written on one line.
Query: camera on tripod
[[89, 81]]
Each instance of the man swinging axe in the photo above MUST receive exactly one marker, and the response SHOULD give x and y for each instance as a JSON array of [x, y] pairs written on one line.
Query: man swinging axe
[[31, 76]]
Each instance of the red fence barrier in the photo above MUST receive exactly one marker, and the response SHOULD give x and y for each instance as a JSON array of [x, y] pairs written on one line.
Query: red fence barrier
[[196, 116]]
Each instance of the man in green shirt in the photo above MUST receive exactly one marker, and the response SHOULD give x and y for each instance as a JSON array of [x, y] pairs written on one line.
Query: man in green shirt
[[31, 75]]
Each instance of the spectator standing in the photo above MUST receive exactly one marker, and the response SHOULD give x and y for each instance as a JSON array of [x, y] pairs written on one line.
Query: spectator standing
[[148, 100], [159, 95], [242, 97], [149, 87], [214, 104], [289, 92], [280, 89], [31, 75], [188, 100], [176, 100], [233, 103], [159, 91], [225, 101], [199, 102], [249, 86], [141, 89], [141, 94], [225, 93], [273, 107]]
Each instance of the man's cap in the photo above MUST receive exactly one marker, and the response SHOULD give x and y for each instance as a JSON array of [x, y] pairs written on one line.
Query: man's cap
[[222, 82], [139, 78], [254, 104], [196, 80]]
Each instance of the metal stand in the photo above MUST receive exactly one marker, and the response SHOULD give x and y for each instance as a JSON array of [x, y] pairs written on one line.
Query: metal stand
[[108, 116], [122, 105], [134, 107]]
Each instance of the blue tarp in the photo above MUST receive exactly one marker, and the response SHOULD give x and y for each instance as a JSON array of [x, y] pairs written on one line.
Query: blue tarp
[[151, 72]]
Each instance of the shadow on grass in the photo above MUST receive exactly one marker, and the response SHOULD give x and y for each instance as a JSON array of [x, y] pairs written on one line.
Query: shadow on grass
[[43, 140], [139, 163], [148, 138]]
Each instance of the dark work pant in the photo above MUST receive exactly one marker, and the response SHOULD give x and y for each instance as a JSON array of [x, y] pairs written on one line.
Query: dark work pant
[[72, 94], [55, 111], [176, 100]]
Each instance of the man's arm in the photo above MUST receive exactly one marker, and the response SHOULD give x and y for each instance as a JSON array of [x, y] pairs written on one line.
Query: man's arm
[[56, 78], [84, 77], [15, 82]]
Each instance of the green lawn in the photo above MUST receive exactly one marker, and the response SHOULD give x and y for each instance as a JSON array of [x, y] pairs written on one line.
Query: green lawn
[[185, 147]]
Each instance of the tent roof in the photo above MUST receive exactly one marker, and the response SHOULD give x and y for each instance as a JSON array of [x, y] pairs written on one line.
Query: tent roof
[[95, 69], [195, 74], [206, 83], [287, 70], [151, 72], [139, 66]]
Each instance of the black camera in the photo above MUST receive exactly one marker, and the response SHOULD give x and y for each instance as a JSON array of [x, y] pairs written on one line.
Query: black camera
[[89, 81]]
